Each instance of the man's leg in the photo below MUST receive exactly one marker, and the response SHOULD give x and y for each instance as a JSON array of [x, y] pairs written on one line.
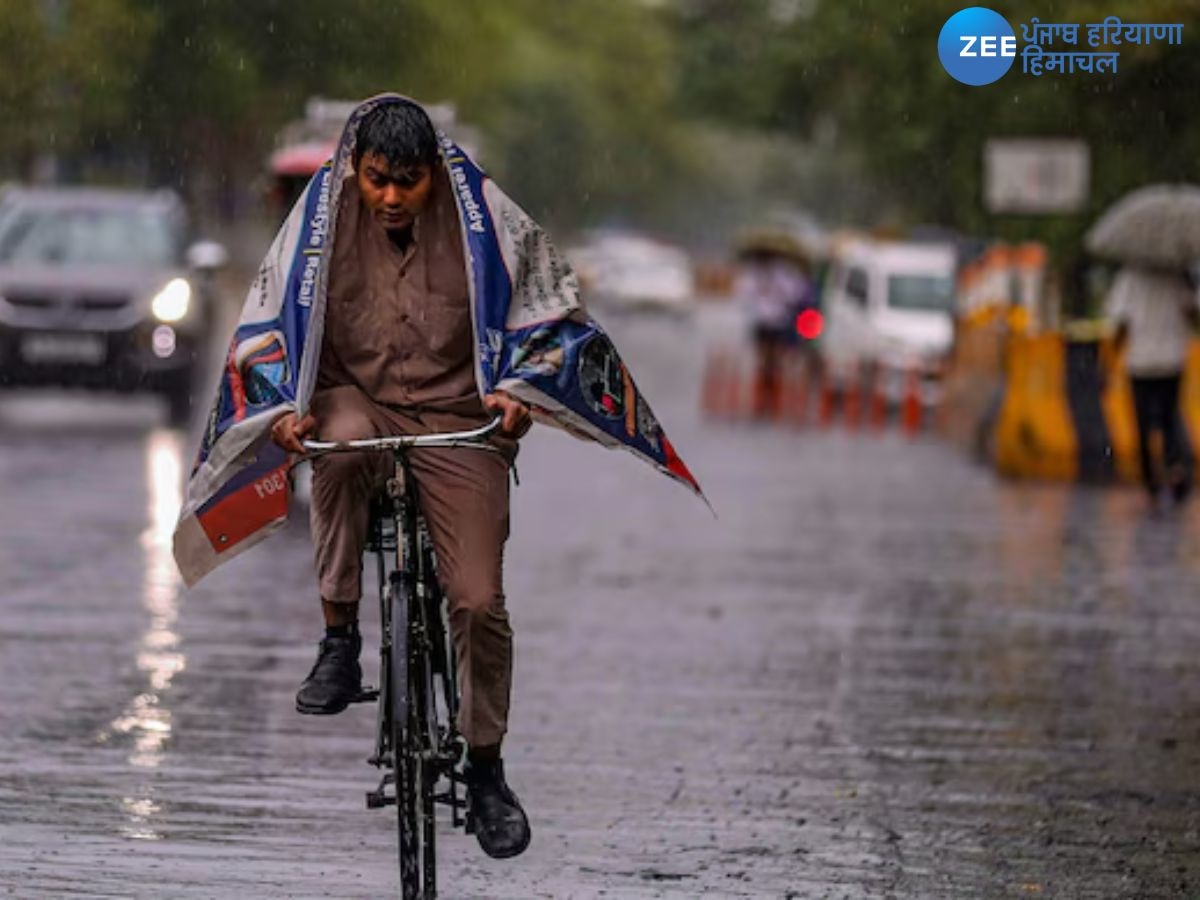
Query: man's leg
[[765, 374], [1144, 403], [464, 496], [342, 485], [1176, 453]]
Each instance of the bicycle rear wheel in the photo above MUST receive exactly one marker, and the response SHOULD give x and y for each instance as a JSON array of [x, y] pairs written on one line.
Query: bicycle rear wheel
[[404, 760]]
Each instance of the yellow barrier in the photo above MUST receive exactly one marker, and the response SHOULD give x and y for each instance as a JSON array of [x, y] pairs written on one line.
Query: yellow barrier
[[1034, 435]]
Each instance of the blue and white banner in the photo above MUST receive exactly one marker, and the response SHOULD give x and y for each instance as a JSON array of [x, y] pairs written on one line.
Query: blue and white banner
[[533, 338]]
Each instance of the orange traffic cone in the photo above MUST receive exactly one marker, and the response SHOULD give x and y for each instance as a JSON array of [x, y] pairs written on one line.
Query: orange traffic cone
[[760, 395], [799, 401], [853, 404], [828, 401], [913, 413], [779, 407], [733, 387], [878, 413]]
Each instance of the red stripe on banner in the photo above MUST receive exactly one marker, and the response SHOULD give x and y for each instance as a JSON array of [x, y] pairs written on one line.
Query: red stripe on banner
[[237, 389], [246, 510], [675, 465]]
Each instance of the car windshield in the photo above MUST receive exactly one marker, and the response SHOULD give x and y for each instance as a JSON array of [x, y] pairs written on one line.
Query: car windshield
[[931, 293], [87, 237]]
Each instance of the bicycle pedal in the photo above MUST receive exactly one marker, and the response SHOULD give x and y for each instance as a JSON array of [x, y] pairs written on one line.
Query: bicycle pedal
[[377, 800], [366, 695]]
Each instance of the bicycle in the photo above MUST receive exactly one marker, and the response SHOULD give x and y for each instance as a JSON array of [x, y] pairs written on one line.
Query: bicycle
[[417, 741]]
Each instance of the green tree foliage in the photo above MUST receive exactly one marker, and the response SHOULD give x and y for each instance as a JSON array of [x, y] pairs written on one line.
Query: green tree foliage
[[873, 69], [23, 42], [572, 97], [580, 112], [597, 110], [735, 63], [69, 75]]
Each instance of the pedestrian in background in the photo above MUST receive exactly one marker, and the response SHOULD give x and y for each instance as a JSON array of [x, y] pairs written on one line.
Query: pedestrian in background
[[773, 286], [1154, 312]]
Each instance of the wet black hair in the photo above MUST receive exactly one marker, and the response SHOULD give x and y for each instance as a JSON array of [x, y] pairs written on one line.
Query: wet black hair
[[399, 132]]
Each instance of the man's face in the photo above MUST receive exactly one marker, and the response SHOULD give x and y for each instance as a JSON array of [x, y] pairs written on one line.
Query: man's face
[[395, 195]]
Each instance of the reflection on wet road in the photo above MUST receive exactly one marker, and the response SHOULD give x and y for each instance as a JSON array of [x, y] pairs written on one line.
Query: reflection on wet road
[[147, 718], [879, 673]]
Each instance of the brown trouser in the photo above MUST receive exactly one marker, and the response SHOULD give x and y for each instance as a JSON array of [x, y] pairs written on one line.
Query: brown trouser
[[464, 498]]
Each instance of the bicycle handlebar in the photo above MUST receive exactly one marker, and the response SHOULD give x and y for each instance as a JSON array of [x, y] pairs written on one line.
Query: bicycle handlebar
[[475, 438]]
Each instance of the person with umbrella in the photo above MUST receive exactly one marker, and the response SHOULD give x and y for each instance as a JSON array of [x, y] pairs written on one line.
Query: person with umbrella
[[1155, 232], [1155, 312]]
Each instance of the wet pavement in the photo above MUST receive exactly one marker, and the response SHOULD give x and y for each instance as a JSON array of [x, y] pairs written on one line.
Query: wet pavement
[[878, 672]]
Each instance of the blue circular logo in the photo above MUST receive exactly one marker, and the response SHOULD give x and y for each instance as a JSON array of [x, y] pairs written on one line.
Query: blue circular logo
[[977, 46]]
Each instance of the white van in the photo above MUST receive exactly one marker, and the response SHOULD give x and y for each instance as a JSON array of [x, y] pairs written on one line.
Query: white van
[[889, 305]]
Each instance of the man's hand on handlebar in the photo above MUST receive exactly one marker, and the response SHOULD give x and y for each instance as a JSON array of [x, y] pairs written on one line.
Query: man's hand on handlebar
[[515, 418], [289, 432]]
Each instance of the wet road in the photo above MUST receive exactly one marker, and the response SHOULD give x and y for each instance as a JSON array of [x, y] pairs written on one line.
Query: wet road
[[879, 673]]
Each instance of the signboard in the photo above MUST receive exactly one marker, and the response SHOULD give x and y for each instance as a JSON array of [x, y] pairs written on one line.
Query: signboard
[[1035, 176]]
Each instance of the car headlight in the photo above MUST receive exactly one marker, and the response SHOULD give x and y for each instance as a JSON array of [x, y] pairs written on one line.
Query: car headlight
[[172, 302]]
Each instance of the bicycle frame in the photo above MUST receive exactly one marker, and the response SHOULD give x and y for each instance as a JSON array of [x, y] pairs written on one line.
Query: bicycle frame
[[415, 648]]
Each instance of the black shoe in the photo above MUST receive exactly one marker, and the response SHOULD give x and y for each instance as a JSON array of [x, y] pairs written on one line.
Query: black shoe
[[336, 679], [493, 811]]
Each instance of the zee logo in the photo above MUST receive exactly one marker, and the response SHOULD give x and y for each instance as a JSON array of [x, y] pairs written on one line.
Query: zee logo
[[977, 46], [987, 45]]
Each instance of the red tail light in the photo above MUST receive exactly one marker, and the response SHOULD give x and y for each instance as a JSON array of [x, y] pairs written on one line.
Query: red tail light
[[810, 324]]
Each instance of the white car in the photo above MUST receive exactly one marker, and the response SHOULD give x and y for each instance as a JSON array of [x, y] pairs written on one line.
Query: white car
[[627, 272], [890, 305]]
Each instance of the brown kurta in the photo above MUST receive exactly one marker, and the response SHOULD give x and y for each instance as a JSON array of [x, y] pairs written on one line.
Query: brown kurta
[[397, 358], [398, 323]]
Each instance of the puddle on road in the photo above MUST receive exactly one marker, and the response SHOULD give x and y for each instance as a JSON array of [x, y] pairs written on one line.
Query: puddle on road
[[147, 718]]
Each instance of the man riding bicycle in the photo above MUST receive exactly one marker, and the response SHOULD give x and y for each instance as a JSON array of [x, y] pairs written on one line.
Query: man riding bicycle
[[406, 293], [397, 359]]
